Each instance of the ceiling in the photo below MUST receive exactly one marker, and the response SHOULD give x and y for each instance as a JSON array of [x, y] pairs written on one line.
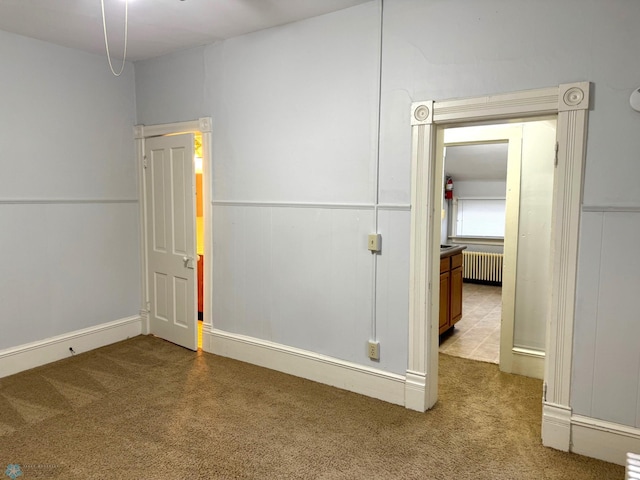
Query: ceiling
[[477, 162], [156, 27]]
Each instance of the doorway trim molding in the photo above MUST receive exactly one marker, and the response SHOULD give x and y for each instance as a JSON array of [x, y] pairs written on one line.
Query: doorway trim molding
[[571, 104], [141, 132]]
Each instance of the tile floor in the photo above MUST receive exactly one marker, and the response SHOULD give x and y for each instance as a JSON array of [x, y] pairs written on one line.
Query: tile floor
[[477, 334]]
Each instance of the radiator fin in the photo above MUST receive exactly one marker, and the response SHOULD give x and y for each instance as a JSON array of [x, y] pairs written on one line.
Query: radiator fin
[[482, 266]]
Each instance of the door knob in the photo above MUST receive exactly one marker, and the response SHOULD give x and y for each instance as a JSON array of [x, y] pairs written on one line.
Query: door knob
[[188, 262]]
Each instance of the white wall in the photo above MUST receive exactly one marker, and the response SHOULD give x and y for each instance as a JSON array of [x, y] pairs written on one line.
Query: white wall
[[294, 133], [68, 192], [480, 188], [160, 99], [606, 363], [442, 50], [295, 114]]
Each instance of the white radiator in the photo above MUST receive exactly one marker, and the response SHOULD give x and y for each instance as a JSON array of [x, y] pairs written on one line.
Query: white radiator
[[633, 466], [482, 266]]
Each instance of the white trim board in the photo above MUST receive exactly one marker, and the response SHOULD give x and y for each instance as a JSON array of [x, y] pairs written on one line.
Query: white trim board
[[64, 201], [34, 354], [344, 206], [302, 363], [527, 362], [603, 440], [204, 126]]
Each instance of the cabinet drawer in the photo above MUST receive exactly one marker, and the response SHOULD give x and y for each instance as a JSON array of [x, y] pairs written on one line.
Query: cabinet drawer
[[444, 265], [456, 261]]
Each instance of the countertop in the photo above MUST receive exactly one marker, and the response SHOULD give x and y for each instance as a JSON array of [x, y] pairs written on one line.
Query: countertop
[[450, 250]]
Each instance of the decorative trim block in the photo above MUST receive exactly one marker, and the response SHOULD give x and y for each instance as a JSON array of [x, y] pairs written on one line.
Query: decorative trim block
[[556, 426], [422, 113], [414, 391], [573, 96], [205, 124]]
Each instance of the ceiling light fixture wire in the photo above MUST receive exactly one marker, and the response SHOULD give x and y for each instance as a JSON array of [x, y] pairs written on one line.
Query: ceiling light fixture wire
[[106, 41]]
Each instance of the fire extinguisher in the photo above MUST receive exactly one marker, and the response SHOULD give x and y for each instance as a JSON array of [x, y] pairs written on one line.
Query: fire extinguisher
[[448, 189]]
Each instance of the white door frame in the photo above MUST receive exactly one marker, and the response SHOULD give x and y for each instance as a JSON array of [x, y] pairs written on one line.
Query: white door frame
[[202, 126], [571, 103]]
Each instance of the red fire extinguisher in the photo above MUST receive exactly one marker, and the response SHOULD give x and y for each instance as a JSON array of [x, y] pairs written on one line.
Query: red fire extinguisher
[[448, 189]]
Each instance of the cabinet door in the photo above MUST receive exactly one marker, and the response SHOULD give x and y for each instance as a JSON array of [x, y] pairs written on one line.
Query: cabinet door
[[444, 302], [456, 295]]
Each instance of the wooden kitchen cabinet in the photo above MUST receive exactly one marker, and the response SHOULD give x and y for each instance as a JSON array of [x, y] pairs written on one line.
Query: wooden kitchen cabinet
[[450, 289], [444, 301]]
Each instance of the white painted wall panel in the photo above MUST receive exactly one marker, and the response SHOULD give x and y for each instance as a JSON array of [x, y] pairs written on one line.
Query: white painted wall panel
[[613, 141], [65, 134], [617, 357], [479, 188], [296, 276], [66, 267], [294, 113], [606, 362], [322, 280], [392, 309], [25, 293], [242, 270], [586, 322], [395, 141], [65, 123], [157, 98]]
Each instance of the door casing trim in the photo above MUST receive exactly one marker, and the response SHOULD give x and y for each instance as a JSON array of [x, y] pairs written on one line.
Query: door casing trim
[[141, 132], [571, 104]]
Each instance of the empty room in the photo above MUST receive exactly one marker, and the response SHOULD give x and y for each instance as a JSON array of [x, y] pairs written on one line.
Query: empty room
[[224, 227]]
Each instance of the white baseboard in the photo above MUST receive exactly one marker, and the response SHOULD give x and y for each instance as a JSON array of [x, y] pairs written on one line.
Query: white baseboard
[[603, 440], [527, 362], [587, 436], [302, 363], [30, 355]]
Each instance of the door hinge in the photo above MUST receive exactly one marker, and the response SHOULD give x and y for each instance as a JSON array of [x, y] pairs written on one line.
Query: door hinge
[[144, 162], [544, 392], [557, 149], [148, 306]]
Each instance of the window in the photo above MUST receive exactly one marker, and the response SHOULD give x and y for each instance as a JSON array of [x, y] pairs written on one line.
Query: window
[[479, 217]]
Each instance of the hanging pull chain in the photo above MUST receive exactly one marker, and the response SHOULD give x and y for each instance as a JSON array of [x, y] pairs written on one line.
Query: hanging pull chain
[[106, 41]]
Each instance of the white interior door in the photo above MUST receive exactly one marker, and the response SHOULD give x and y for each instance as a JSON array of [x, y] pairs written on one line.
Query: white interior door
[[170, 208]]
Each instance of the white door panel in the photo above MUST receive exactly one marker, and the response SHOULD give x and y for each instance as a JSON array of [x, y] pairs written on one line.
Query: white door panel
[[171, 238]]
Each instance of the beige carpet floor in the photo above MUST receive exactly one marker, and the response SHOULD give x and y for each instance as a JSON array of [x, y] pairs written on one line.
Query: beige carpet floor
[[146, 409]]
